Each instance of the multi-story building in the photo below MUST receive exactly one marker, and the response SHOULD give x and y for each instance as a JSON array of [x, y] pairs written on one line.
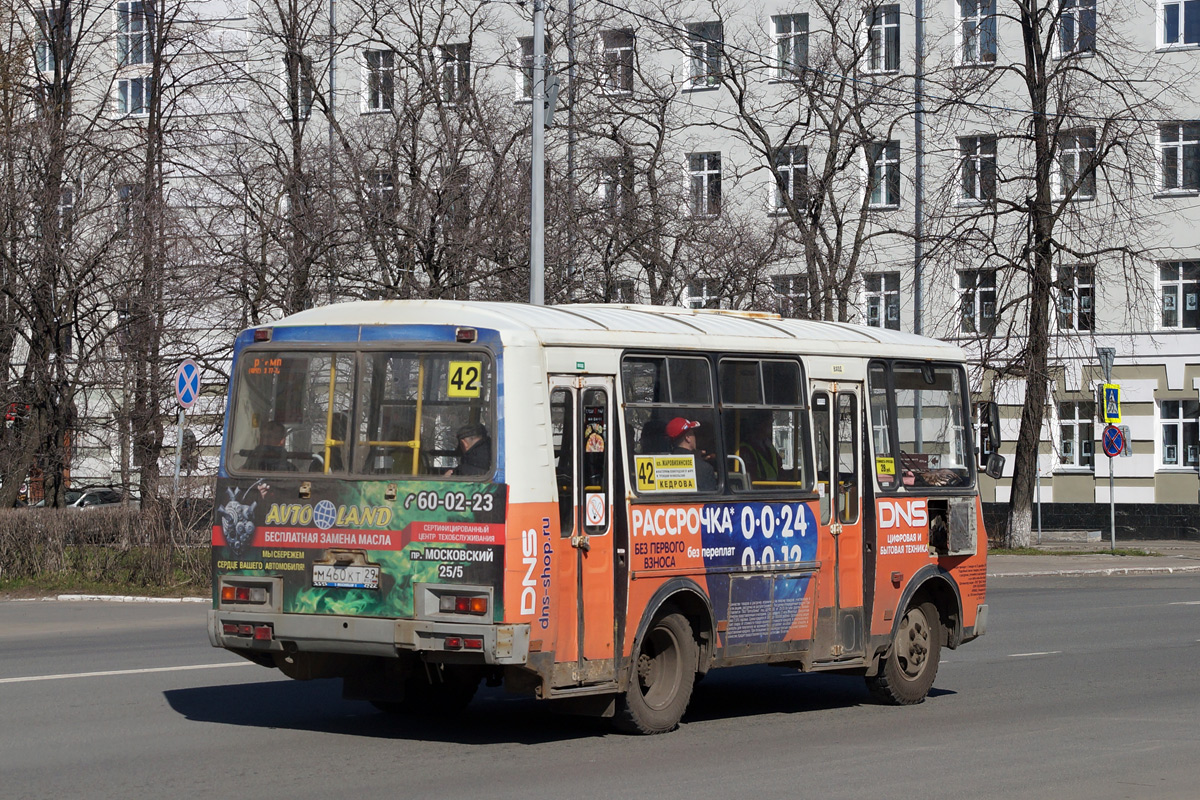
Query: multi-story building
[[815, 158]]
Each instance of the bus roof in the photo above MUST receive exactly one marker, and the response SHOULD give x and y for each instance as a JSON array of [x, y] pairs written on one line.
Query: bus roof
[[601, 325]]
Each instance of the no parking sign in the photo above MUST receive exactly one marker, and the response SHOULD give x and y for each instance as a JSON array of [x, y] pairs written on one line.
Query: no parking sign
[[187, 383]]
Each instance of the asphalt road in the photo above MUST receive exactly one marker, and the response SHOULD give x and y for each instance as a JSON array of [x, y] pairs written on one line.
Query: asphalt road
[[1084, 687]]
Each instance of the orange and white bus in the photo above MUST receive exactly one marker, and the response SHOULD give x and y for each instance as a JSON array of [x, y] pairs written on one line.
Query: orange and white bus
[[593, 504]]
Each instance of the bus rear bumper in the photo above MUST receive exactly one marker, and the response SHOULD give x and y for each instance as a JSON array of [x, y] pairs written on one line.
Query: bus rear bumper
[[267, 631]]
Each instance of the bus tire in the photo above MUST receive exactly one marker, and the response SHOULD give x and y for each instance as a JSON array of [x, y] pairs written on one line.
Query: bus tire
[[661, 678], [911, 663], [447, 693]]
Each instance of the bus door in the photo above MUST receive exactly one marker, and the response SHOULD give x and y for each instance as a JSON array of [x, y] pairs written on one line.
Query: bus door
[[836, 414], [582, 415]]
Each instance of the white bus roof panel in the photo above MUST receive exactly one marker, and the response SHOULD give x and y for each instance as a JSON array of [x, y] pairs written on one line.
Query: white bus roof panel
[[594, 325]]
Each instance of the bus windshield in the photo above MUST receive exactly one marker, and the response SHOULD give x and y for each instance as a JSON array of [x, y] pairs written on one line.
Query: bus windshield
[[375, 412]]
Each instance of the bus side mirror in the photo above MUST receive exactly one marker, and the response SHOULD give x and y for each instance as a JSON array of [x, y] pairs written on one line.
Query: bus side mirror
[[993, 412], [995, 466]]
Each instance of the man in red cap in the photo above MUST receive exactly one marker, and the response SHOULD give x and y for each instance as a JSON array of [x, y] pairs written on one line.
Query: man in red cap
[[682, 433]]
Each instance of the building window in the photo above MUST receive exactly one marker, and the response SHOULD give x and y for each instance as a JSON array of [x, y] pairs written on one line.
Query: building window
[[977, 31], [705, 172], [456, 199], [978, 169], [298, 81], [977, 293], [704, 45], [1180, 22], [456, 72], [791, 295], [1179, 150], [883, 38], [616, 185], [129, 208], [703, 293], [135, 34], [791, 167], [133, 96], [622, 290], [1179, 282], [1076, 27], [381, 79], [884, 174], [1180, 433], [527, 64], [791, 44], [66, 206], [618, 60], [883, 299], [53, 32], [380, 186], [1076, 433], [1076, 174], [1076, 290]]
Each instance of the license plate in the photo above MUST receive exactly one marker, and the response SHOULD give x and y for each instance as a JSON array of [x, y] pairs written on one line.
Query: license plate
[[349, 577]]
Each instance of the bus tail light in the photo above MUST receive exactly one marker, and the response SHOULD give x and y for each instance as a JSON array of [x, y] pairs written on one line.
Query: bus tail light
[[454, 643], [463, 604], [465, 335], [473, 643], [244, 594], [262, 632], [262, 334]]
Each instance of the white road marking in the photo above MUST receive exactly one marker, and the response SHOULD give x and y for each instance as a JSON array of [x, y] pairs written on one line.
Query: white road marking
[[1025, 655], [31, 678], [1186, 603]]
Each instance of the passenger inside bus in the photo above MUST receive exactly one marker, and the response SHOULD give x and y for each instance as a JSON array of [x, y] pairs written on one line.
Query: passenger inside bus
[[474, 451], [270, 455], [757, 448], [682, 433]]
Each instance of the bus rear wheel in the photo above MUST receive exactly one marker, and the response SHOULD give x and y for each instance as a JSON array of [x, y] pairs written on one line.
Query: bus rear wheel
[[911, 663], [664, 672]]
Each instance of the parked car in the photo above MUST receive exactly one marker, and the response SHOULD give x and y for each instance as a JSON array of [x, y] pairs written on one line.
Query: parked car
[[89, 498]]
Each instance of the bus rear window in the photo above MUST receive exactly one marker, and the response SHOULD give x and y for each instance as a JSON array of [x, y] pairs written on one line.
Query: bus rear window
[[375, 413], [425, 414], [291, 412]]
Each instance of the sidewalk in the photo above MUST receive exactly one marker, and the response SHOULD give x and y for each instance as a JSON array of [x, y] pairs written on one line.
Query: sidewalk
[[1174, 556]]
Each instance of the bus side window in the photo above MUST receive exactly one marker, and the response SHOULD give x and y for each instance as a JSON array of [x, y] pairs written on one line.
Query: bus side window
[[821, 419], [562, 420]]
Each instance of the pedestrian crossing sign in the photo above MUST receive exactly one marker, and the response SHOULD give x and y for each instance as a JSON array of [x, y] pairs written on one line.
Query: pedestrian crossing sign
[[1111, 408]]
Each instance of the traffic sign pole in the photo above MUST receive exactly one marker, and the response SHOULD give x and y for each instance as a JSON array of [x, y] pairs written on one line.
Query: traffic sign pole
[[1112, 509], [1113, 442], [187, 391], [178, 455]]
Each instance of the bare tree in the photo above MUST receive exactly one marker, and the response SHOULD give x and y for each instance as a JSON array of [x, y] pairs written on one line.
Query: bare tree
[[1051, 174]]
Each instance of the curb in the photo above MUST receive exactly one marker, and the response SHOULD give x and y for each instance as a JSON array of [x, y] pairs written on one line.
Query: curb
[[116, 598], [1100, 571]]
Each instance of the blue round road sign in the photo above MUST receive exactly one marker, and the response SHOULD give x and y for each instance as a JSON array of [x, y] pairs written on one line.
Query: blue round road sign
[[1112, 441], [187, 383]]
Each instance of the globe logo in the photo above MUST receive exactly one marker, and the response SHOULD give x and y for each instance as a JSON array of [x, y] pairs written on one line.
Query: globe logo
[[324, 514]]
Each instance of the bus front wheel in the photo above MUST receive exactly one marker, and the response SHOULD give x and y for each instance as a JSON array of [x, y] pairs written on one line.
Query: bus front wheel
[[664, 672], [911, 662]]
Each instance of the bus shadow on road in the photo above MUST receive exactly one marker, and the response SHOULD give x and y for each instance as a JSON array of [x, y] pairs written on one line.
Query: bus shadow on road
[[318, 706], [497, 717], [760, 690]]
